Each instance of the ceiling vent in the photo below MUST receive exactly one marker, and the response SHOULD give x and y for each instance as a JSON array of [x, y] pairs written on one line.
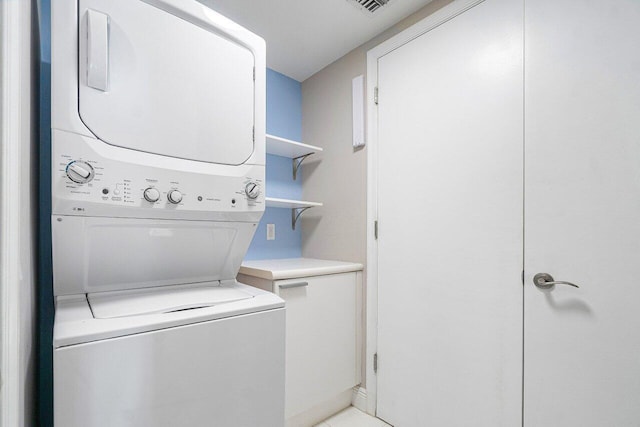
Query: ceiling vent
[[369, 5]]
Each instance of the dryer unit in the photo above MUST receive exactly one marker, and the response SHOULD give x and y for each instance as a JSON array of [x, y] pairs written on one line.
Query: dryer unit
[[158, 167]]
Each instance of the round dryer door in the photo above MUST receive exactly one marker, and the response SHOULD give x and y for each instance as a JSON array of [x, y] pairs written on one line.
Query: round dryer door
[[153, 81]]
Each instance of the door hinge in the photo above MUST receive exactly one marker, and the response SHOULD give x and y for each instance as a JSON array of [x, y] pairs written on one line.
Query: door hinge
[[375, 363], [375, 95], [375, 229]]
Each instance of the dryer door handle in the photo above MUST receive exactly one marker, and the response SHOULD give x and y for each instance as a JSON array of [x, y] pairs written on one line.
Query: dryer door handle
[[97, 50]]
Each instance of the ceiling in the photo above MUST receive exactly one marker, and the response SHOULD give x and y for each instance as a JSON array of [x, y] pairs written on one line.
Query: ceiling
[[304, 36]]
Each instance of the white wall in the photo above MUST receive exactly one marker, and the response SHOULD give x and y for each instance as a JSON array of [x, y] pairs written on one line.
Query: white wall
[[338, 176], [18, 211]]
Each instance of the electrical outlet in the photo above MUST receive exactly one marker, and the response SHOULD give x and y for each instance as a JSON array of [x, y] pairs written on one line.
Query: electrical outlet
[[271, 232]]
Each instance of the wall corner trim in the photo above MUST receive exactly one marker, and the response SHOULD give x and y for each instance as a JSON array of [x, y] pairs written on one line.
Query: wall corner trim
[[359, 399], [12, 16]]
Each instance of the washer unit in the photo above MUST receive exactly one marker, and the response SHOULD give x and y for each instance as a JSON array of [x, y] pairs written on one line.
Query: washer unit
[[158, 165]]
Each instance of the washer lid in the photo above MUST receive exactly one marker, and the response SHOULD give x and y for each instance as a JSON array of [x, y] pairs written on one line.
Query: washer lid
[[169, 299], [75, 323], [93, 255]]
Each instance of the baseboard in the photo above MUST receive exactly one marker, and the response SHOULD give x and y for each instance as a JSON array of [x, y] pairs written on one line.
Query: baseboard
[[359, 398], [322, 411]]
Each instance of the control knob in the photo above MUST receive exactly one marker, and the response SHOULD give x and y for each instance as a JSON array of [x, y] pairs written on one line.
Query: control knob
[[80, 172], [174, 196], [151, 195], [252, 190]]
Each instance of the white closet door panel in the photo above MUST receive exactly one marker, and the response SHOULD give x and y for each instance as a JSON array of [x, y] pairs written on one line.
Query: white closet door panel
[[450, 223], [582, 217], [154, 82]]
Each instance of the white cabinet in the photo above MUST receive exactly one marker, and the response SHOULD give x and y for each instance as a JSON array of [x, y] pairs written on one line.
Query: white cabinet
[[322, 328]]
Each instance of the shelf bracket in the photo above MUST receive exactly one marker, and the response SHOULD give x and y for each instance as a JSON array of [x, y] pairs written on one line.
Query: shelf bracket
[[295, 214], [297, 161]]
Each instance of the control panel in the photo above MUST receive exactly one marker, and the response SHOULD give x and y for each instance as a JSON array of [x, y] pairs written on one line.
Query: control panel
[[87, 183]]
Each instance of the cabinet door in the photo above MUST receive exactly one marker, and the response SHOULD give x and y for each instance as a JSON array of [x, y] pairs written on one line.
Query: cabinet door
[[321, 338]]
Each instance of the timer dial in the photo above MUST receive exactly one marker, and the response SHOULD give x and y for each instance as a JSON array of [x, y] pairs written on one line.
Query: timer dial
[[151, 195], [80, 172], [252, 190], [174, 197]]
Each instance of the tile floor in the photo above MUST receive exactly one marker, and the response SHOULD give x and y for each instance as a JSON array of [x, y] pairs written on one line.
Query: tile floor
[[352, 417]]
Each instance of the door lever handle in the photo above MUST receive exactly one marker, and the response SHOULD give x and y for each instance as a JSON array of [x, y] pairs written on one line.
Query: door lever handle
[[545, 281]]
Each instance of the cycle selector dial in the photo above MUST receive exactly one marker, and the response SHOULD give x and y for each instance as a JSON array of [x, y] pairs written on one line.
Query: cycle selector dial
[[252, 190], [80, 172], [151, 195], [174, 197]]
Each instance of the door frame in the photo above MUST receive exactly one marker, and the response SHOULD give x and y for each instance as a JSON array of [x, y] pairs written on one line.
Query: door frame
[[15, 21], [432, 21]]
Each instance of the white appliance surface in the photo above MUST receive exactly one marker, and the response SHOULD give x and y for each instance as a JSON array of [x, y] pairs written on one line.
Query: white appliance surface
[[95, 254], [226, 373], [148, 211], [169, 299], [161, 367], [195, 103], [142, 48], [85, 318], [121, 177], [158, 155], [158, 111]]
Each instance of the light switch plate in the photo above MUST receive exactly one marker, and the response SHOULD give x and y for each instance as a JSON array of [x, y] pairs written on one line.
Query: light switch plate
[[271, 232]]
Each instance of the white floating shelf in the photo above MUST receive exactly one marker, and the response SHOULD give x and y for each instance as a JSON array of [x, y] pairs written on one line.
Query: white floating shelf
[[296, 206], [288, 148], [272, 202]]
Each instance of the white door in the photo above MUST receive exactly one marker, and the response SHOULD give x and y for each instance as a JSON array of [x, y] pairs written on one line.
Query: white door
[[449, 314], [152, 80], [450, 223], [582, 216]]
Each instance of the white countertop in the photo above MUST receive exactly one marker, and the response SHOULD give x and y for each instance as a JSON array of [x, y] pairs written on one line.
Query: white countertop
[[291, 268]]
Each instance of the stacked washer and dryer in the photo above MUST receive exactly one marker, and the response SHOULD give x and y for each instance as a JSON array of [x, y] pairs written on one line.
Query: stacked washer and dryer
[[158, 168]]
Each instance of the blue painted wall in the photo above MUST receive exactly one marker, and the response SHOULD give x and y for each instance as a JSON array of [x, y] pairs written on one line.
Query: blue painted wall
[[44, 335], [284, 119]]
